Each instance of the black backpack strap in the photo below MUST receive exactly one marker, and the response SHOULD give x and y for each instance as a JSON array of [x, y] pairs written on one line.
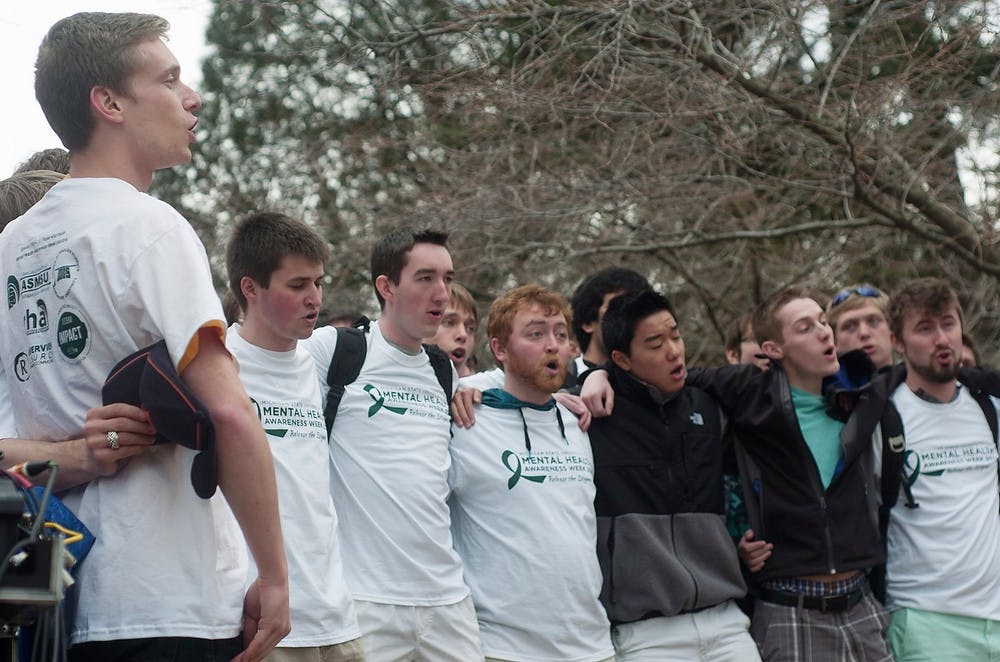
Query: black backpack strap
[[989, 411], [893, 448], [345, 366], [441, 363]]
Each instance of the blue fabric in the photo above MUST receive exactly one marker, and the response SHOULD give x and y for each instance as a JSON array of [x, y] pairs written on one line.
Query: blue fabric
[[57, 512]]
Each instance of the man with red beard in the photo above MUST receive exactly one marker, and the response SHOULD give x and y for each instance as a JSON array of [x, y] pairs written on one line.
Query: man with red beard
[[943, 551], [522, 502]]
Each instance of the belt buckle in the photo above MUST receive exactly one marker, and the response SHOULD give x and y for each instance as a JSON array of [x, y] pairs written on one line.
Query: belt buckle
[[826, 603], [834, 603]]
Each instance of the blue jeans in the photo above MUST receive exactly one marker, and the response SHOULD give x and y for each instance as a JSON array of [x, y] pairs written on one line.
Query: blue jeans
[[158, 649]]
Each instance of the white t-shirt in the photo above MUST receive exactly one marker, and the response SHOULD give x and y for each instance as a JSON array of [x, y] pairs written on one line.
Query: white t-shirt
[[286, 396], [944, 556], [389, 454], [8, 428], [525, 528], [95, 271], [483, 380]]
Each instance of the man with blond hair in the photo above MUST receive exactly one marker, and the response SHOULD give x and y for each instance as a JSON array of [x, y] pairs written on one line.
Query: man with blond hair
[[858, 316]]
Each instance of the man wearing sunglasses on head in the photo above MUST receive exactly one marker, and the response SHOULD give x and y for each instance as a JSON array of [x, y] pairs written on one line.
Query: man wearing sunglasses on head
[[857, 315]]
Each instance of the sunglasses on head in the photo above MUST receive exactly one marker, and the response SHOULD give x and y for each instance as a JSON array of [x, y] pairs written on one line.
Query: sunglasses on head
[[863, 291]]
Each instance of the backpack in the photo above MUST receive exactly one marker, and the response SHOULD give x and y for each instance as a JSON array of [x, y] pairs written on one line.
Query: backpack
[[893, 453], [349, 357]]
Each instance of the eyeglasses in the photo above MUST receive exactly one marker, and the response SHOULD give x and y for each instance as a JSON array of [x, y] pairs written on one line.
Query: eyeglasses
[[863, 291]]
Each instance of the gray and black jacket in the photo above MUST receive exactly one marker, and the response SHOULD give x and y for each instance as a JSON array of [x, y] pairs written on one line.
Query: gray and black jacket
[[661, 534]]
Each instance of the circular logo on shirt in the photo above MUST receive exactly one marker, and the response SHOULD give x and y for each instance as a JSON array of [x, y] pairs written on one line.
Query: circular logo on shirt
[[72, 335], [21, 367], [64, 271]]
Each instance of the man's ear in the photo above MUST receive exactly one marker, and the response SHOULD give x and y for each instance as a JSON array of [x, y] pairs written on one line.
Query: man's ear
[[621, 360], [499, 351], [897, 343], [589, 326], [772, 350], [384, 287], [249, 288], [732, 358], [105, 103]]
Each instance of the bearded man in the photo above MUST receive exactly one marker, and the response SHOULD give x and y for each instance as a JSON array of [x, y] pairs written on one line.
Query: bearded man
[[522, 501]]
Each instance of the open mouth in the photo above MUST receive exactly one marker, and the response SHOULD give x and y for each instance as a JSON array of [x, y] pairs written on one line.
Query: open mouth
[[552, 366], [830, 352], [678, 372], [458, 354]]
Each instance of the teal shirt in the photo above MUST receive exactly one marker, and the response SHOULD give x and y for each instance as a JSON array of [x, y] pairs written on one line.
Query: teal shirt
[[822, 433]]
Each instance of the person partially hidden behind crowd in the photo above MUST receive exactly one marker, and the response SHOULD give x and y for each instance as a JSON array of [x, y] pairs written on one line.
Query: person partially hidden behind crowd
[[166, 575], [970, 352], [456, 336], [859, 319], [741, 347], [589, 301], [671, 573], [20, 191], [55, 159]]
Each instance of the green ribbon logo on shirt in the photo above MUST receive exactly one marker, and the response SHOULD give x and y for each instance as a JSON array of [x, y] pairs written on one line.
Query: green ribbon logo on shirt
[[516, 470], [375, 394]]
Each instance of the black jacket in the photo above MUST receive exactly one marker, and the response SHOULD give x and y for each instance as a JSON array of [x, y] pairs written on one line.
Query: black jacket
[[662, 540], [814, 530]]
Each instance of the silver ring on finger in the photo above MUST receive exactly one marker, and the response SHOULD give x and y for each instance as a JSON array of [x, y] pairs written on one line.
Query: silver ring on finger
[[113, 440]]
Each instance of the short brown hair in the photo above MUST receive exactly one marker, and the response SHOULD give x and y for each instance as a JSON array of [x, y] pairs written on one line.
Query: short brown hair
[[20, 191], [81, 52], [854, 297], [932, 295], [391, 253], [261, 241], [739, 330], [500, 321], [766, 325]]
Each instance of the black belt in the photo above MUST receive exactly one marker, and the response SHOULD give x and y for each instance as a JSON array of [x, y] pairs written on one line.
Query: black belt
[[822, 603]]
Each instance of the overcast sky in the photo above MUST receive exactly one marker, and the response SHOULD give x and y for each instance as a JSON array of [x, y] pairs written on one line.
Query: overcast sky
[[23, 23]]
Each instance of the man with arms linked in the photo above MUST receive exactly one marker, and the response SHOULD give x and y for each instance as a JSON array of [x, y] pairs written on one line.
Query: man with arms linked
[[390, 461], [810, 497], [671, 574], [943, 540], [522, 497]]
